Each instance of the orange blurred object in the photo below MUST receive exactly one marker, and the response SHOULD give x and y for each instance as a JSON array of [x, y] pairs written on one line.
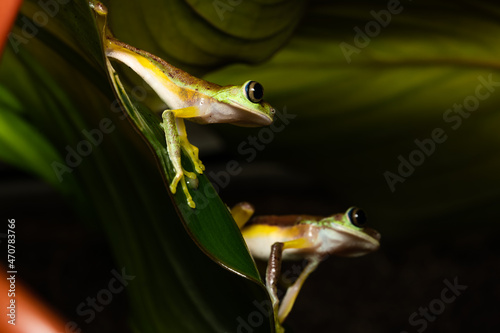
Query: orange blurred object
[[20, 310], [8, 12], [21, 307]]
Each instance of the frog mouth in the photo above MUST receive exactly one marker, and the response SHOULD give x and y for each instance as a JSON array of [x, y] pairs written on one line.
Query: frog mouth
[[251, 118], [369, 235], [372, 233], [347, 242]]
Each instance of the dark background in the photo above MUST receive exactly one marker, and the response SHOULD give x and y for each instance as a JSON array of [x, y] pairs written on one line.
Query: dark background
[[64, 262]]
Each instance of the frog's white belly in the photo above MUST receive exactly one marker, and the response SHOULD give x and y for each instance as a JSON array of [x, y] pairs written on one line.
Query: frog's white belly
[[162, 86]]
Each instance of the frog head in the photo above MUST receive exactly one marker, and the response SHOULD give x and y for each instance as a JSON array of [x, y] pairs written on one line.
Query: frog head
[[346, 234], [246, 106]]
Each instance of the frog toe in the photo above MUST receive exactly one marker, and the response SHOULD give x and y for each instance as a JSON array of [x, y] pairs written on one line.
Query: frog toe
[[175, 181]]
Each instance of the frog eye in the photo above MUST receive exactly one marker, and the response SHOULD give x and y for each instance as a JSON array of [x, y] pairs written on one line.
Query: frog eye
[[357, 217], [254, 91]]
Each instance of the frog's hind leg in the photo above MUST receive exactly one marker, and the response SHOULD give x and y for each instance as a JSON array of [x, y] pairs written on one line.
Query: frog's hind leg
[[242, 212]]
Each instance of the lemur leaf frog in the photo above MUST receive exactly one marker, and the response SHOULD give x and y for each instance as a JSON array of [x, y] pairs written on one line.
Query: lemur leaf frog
[[293, 237], [188, 97]]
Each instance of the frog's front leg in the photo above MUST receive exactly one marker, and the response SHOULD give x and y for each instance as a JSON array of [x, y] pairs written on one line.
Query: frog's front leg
[[293, 291], [274, 269], [191, 150], [176, 137]]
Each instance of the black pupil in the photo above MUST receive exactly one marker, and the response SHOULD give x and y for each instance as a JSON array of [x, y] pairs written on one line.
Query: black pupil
[[358, 217], [258, 91], [255, 91]]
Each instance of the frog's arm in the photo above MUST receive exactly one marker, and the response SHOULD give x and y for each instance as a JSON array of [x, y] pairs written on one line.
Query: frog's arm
[[175, 140], [273, 271], [292, 292]]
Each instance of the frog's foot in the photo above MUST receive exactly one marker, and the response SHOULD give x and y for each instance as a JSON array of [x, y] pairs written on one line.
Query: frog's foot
[[192, 152], [98, 7], [180, 177]]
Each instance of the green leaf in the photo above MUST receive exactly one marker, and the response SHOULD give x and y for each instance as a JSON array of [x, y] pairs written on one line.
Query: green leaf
[[59, 107], [210, 223]]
